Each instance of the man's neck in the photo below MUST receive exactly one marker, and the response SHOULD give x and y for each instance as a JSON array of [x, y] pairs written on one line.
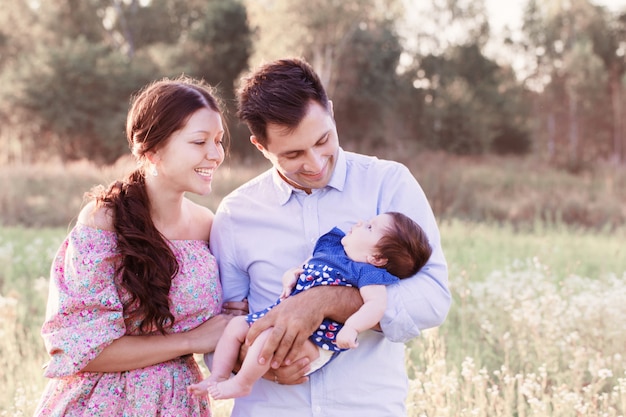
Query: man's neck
[[293, 184]]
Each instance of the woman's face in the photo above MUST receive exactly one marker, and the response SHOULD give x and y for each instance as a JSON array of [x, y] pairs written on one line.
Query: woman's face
[[191, 155]]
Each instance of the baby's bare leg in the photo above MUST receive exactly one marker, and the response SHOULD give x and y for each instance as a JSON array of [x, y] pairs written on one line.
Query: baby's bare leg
[[226, 354], [250, 372]]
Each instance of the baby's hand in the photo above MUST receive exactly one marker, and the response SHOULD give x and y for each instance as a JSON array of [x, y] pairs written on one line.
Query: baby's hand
[[289, 281], [347, 338]]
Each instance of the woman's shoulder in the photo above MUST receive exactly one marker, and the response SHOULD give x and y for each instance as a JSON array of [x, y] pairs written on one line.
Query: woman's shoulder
[[201, 219], [97, 217]]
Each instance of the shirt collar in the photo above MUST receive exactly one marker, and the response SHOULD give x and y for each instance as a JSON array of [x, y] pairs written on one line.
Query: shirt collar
[[284, 191]]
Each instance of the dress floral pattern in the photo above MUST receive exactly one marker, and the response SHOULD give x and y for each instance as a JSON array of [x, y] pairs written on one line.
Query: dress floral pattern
[[85, 315]]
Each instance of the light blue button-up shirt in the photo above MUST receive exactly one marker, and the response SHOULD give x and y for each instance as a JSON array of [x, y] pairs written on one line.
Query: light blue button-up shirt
[[266, 227]]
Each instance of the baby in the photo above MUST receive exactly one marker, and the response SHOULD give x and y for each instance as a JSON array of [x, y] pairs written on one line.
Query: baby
[[373, 254]]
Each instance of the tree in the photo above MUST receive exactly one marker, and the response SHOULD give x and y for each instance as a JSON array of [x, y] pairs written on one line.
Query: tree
[[69, 91], [570, 78], [75, 98], [608, 43], [63, 19], [318, 30], [366, 86], [17, 35], [471, 105]]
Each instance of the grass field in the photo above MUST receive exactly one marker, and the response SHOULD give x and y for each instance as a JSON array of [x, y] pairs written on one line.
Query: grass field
[[536, 329], [537, 270]]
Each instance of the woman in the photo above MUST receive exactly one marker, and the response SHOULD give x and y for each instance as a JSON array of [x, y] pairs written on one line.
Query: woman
[[134, 288]]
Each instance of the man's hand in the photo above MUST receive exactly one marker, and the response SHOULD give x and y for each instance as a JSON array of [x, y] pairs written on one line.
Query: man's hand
[[298, 316], [296, 372]]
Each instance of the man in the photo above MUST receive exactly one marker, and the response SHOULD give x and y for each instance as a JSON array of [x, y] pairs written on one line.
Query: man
[[271, 224]]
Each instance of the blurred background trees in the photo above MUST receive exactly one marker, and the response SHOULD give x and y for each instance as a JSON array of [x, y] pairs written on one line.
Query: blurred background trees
[[401, 75]]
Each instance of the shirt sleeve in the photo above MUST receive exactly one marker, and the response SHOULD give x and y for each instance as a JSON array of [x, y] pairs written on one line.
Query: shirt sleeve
[[84, 312], [423, 300], [235, 281]]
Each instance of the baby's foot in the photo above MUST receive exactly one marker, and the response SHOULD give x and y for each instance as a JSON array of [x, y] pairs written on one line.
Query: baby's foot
[[200, 389], [230, 388]]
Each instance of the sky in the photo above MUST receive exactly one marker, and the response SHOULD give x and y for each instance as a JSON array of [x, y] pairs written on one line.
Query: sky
[[508, 12]]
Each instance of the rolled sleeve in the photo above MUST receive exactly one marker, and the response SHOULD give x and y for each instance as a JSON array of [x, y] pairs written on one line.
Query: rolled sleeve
[[85, 313], [414, 306]]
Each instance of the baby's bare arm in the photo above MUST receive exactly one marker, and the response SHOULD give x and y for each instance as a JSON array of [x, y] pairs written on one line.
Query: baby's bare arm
[[366, 317]]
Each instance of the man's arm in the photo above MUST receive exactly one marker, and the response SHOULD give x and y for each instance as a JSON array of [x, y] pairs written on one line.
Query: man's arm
[[298, 316], [422, 301]]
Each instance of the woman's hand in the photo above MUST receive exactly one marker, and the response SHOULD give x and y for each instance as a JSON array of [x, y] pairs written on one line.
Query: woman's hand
[[203, 338], [235, 308]]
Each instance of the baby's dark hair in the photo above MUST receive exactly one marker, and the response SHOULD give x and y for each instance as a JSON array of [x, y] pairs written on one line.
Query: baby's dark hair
[[405, 245]]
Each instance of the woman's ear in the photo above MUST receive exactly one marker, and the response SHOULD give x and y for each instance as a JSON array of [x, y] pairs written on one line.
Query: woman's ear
[[152, 157]]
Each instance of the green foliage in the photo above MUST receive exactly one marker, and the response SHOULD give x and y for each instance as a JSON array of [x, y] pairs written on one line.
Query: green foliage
[[529, 308], [67, 68], [473, 105], [220, 43], [68, 92], [61, 92], [70, 19], [366, 86]]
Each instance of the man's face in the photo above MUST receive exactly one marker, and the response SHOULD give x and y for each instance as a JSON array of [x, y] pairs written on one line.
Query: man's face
[[307, 155]]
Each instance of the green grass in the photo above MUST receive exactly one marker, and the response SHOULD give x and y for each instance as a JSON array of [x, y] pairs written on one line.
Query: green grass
[[510, 288], [475, 250], [516, 191]]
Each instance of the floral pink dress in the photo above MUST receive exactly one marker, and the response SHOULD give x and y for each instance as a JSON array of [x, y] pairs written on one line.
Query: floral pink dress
[[85, 315]]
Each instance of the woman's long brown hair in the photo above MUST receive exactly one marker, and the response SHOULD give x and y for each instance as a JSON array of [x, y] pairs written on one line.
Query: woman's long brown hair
[[148, 264]]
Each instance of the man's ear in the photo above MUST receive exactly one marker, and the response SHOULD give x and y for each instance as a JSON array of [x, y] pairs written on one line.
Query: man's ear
[[258, 145], [377, 260]]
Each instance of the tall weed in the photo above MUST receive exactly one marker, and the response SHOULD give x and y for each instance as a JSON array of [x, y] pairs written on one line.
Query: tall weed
[[516, 191], [537, 269], [527, 334], [541, 348]]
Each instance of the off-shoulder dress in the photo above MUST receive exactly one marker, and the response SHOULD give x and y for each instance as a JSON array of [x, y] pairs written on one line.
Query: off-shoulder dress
[[84, 315]]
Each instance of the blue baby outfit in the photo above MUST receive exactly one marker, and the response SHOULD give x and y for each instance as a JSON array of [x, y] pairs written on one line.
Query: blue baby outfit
[[331, 266]]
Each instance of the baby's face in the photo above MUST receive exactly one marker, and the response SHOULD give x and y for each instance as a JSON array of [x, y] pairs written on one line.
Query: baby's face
[[360, 242]]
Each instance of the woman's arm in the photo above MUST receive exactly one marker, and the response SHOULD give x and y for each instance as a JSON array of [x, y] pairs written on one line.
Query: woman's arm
[[133, 352]]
